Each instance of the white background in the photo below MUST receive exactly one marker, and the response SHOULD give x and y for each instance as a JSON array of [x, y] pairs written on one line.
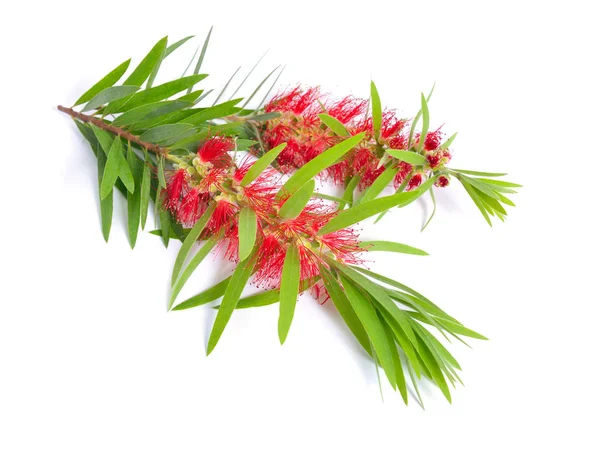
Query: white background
[[90, 359]]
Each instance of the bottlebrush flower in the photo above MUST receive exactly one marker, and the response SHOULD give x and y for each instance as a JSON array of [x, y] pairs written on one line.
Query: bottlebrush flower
[[415, 181], [404, 169], [214, 150], [223, 217], [442, 181], [192, 206], [174, 190]]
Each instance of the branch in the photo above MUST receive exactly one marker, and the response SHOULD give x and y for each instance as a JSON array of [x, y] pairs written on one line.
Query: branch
[[115, 130]]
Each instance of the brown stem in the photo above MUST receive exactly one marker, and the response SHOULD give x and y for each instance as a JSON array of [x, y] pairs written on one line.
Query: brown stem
[[115, 130]]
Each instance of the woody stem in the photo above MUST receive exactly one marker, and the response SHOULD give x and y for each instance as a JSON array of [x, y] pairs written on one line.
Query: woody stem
[[157, 149]]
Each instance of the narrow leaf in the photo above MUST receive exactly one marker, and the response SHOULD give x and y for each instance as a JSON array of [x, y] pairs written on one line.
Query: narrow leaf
[[261, 164], [209, 244], [145, 190], [236, 285], [226, 86], [106, 203], [288, 293], [108, 95], [111, 170], [376, 109], [163, 133], [316, 165], [133, 198], [432, 212], [345, 309], [448, 142], [425, 127], [171, 48], [388, 246], [296, 203], [106, 82], [202, 53], [380, 183], [144, 69], [334, 124], [213, 293], [214, 112], [365, 210], [247, 232], [408, 156], [368, 317], [190, 240], [155, 94], [348, 197], [150, 111], [479, 174]]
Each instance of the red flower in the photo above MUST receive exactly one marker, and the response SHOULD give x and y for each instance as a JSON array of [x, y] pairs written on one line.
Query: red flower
[[222, 217], [404, 170], [347, 109], [192, 206], [175, 187], [415, 181], [433, 140], [214, 150], [442, 181]]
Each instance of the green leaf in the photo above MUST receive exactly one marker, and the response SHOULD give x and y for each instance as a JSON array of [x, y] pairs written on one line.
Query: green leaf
[[260, 299], [226, 86], [453, 327], [163, 133], [479, 174], [144, 69], [125, 173], [296, 203], [155, 94], [400, 380], [448, 142], [432, 212], [335, 125], [403, 341], [213, 293], [388, 246], [106, 82], [264, 117], [150, 111], [425, 127], [236, 285], [247, 76], [288, 293], [214, 112], [369, 319], [498, 183], [189, 241], [262, 102], [345, 309], [365, 210], [106, 203], [408, 156], [165, 225], [145, 190], [380, 183], [209, 244], [433, 368], [261, 164], [328, 197], [162, 183], [171, 48], [202, 53], [108, 95], [316, 165], [424, 302], [247, 232], [111, 169], [478, 202], [417, 118], [133, 198], [105, 139], [348, 197], [258, 87], [156, 68], [376, 110]]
